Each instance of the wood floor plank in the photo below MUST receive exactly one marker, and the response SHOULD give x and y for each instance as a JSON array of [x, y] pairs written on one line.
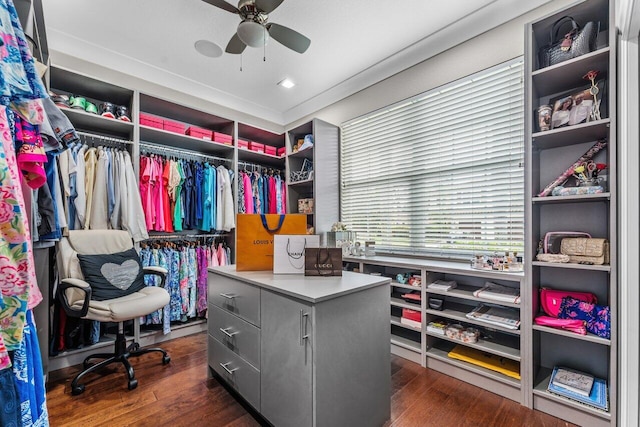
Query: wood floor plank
[[181, 394]]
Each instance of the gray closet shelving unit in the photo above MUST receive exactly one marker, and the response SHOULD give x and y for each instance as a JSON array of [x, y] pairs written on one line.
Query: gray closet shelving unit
[[324, 185], [547, 155]]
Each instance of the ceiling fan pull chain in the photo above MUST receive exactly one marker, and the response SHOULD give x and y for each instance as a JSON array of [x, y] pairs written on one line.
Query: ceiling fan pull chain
[[240, 62]]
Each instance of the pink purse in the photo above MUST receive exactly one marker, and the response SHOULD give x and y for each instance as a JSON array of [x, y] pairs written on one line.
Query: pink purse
[[573, 325], [550, 299]]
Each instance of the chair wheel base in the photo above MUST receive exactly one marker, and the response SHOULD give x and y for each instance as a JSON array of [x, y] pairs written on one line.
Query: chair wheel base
[[166, 360], [79, 389], [133, 384]]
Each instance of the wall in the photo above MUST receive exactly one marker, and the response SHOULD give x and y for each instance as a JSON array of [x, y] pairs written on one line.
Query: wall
[[493, 47], [99, 72]]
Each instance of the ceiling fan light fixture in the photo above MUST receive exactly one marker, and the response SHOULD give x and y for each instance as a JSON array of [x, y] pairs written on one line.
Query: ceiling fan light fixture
[[253, 34], [286, 83]]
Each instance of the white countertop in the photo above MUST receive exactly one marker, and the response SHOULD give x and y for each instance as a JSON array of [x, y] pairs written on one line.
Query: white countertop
[[306, 288]]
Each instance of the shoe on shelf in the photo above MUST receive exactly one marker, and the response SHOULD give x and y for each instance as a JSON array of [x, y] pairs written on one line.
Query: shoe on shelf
[[59, 100], [122, 113], [77, 102], [107, 109], [90, 107]]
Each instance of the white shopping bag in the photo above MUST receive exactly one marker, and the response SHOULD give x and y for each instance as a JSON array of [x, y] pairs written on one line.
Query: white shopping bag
[[288, 252]]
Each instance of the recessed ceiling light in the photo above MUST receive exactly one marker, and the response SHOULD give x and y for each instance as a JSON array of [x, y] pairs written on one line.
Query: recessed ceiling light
[[207, 48], [287, 83]]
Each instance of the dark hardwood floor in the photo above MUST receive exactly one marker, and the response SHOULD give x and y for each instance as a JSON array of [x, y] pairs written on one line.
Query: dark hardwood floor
[[180, 394]]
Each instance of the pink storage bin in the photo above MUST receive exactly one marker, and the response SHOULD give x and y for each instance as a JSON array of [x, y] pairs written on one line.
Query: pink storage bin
[[151, 121]]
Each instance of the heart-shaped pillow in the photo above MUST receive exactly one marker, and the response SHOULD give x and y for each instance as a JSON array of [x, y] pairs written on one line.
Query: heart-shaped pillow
[[112, 275], [121, 276]]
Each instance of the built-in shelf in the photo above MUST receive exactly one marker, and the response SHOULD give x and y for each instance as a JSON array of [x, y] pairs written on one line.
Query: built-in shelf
[[571, 135], [245, 155], [487, 346], [571, 265], [405, 343], [441, 354], [568, 74], [95, 123], [466, 292], [604, 197], [399, 302], [307, 153], [588, 337], [395, 320], [302, 183], [403, 286], [185, 142], [460, 317]]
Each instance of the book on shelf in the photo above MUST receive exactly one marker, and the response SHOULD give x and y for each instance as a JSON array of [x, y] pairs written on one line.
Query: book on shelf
[[598, 398], [410, 322], [496, 292], [499, 316], [437, 327], [442, 285], [574, 381]]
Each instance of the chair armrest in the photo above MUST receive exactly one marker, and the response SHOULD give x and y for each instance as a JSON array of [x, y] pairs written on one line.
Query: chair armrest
[[156, 271], [79, 285]]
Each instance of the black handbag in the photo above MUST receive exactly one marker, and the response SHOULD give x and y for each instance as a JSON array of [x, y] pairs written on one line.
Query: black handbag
[[323, 262], [576, 42]]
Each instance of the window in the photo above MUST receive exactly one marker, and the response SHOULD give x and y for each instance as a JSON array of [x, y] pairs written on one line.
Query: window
[[440, 174]]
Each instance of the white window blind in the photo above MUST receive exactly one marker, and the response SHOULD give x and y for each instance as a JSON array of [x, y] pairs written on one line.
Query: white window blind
[[440, 174]]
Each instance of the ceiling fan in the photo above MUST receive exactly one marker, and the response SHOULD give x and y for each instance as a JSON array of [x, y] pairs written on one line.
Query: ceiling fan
[[254, 30]]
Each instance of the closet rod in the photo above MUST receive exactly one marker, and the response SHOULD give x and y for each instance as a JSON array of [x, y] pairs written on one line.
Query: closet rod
[[183, 236], [254, 166], [102, 137], [157, 149]]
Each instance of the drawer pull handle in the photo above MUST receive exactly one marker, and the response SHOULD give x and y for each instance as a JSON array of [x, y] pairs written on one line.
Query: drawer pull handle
[[228, 296], [303, 327], [227, 333], [229, 371]]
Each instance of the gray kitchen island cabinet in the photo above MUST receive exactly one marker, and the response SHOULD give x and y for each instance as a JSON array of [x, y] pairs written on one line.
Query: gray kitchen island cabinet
[[303, 351]]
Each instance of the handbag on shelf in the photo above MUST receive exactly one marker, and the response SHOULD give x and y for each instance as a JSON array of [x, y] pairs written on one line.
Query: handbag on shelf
[[323, 262], [255, 235], [576, 42], [289, 252], [573, 325], [585, 250], [597, 318], [551, 299], [552, 240]]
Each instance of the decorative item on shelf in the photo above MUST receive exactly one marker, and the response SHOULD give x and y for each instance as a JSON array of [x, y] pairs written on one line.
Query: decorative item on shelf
[[454, 331], [560, 180], [504, 263], [415, 280], [577, 107], [594, 90], [437, 327], [544, 117], [356, 250], [370, 248], [303, 143], [340, 237], [578, 41], [403, 278], [305, 206]]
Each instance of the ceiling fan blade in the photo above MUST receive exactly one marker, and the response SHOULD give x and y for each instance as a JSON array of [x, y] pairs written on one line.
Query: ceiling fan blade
[[288, 37], [267, 6], [223, 5], [235, 45]]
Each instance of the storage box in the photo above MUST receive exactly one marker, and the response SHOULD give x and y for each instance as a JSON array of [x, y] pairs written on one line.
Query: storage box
[[257, 147], [152, 121], [171, 126], [199, 133], [281, 151], [242, 143], [222, 138], [270, 149], [305, 206], [414, 315]]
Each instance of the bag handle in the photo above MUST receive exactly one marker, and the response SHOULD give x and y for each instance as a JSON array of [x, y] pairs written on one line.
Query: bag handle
[[289, 249], [555, 28], [266, 226]]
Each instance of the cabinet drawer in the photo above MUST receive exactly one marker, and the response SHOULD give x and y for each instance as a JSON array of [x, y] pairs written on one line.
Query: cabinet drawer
[[235, 371], [236, 297], [237, 335]]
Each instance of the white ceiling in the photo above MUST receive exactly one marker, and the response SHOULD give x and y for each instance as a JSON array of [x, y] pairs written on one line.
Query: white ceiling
[[354, 43]]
